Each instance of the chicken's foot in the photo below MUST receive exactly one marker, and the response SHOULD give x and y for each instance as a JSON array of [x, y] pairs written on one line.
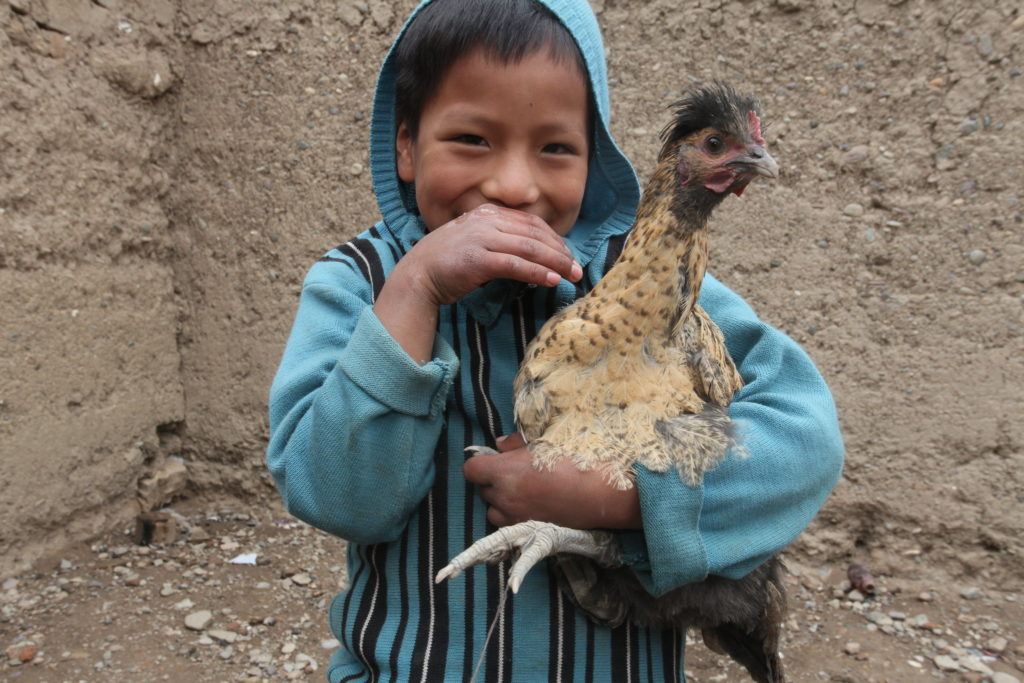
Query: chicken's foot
[[533, 541]]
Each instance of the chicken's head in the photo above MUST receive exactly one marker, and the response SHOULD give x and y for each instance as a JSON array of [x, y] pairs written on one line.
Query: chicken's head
[[715, 138]]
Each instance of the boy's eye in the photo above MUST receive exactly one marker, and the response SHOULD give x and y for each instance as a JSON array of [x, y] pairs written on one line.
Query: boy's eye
[[469, 140], [559, 148]]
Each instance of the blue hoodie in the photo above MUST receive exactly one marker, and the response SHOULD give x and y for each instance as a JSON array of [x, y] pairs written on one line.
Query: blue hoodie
[[368, 445]]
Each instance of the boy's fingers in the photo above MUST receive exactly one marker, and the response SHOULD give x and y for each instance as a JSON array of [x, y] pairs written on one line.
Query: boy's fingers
[[516, 268], [528, 225], [536, 252]]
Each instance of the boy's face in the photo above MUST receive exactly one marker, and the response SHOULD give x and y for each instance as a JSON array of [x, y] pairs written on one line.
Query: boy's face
[[514, 135]]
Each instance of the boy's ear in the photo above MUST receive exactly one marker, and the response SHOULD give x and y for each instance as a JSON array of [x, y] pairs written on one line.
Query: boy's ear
[[403, 149]]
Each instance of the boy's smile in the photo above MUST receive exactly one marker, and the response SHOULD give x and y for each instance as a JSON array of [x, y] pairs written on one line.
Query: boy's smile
[[514, 135]]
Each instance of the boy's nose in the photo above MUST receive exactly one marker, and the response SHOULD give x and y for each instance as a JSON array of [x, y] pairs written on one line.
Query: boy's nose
[[512, 183]]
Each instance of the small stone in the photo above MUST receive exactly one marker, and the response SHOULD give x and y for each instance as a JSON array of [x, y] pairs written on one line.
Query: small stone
[[969, 125], [976, 257], [972, 663], [926, 596], [855, 596], [897, 616], [356, 169], [973, 592], [65, 565], [997, 644], [22, 653], [852, 648], [301, 579], [184, 604], [198, 535], [855, 156], [302, 145], [167, 589], [197, 621], [879, 619], [853, 210], [223, 636], [1001, 677], [12, 584], [288, 648], [330, 644], [226, 653], [946, 663], [985, 47]]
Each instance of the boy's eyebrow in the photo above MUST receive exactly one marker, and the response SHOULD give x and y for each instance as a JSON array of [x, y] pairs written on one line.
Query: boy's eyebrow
[[458, 116]]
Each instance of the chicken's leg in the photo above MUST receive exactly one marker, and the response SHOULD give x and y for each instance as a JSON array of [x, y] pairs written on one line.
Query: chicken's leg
[[533, 541]]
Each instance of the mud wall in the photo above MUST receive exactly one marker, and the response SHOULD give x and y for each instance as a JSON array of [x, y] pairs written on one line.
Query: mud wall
[[171, 169]]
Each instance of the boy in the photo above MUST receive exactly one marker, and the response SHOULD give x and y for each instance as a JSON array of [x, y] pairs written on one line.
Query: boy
[[490, 145]]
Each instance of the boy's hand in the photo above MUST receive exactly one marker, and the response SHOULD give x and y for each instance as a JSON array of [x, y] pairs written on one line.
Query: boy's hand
[[517, 492], [488, 243]]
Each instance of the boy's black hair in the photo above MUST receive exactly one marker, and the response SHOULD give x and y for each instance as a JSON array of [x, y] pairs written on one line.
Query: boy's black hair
[[446, 30]]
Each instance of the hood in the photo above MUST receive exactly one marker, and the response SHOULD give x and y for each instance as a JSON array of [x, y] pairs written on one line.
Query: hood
[[612, 191]]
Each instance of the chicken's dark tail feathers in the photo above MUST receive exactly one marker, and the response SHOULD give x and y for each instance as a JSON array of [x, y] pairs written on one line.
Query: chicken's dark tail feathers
[[747, 649]]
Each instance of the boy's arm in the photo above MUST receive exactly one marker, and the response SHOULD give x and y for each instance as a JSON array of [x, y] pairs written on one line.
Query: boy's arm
[[354, 420], [749, 507]]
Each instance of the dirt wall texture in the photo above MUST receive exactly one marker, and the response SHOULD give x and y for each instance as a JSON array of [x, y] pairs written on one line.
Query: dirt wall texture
[[170, 168]]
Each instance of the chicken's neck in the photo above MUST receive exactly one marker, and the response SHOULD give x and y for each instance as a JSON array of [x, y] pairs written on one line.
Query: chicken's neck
[[658, 276]]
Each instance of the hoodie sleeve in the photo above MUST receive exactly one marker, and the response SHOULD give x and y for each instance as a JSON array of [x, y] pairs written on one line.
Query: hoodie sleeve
[[751, 506], [353, 419]]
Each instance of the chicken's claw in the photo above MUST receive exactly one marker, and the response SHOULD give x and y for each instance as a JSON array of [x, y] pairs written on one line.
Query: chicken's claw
[[532, 541]]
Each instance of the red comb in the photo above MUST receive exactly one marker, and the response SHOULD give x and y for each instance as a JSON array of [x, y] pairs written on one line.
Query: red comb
[[755, 127]]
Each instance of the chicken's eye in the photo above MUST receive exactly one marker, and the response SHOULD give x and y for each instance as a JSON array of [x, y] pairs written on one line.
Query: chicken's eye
[[714, 144]]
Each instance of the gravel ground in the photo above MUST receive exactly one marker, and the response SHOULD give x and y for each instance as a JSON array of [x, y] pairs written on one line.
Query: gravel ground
[[184, 611]]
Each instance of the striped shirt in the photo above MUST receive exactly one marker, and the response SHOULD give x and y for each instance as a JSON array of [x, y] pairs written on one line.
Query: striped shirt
[[369, 446]]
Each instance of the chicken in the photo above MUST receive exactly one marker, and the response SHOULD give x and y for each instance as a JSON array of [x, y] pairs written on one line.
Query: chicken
[[636, 372]]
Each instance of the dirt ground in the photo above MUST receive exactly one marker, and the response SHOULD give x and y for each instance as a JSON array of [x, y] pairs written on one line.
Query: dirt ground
[[112, 610], [170, 168]]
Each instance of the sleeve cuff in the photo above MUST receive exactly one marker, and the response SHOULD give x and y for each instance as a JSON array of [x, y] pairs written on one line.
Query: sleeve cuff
[[670, 551], [378, 364]]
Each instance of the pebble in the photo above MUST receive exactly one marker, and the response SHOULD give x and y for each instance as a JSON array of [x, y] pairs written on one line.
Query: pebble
[[855, 156], [21, 653], [853, 210], [1001, 677], [855, 596], [356, 169], [223, 636], [879, 619], [852, 648], [197, 621], [926, 596], [977, 257], [288, 648], [330, 644], [973, 592], [184, 604], [301, 579], [946, 663], [972, 663], [997, 645]]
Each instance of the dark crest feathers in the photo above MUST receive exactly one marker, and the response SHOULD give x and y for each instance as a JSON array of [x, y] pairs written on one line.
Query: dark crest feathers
[[714, 105]]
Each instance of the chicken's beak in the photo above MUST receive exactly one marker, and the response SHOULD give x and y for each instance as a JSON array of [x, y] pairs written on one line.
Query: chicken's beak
[[756, 161]]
